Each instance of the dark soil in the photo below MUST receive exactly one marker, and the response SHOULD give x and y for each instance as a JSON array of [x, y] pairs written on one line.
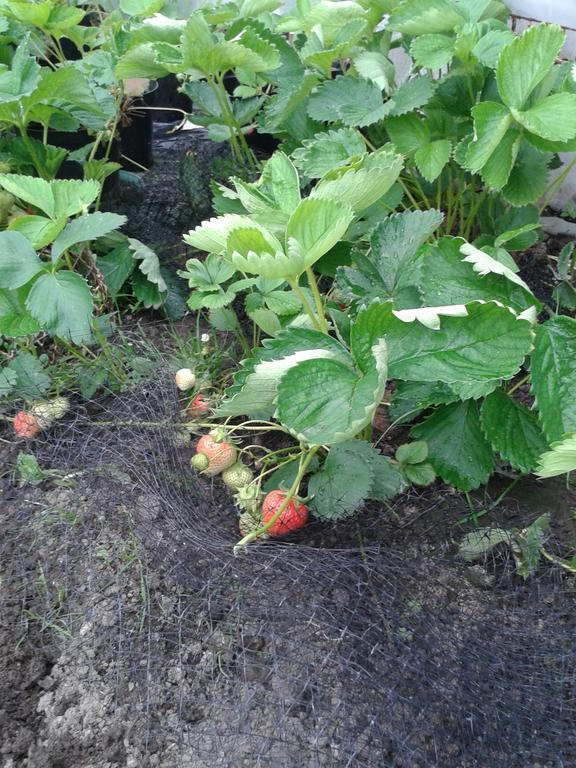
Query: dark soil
[[127, 643]]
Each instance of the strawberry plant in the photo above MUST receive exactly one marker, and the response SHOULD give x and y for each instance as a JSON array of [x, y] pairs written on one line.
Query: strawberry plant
[[201, 51], [50, 278], [61, 97], [452, 325]]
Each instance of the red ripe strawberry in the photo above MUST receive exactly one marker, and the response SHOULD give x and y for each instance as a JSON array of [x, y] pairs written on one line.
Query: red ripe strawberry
[[291, 519], [198, 407], [220, 454], [26, 424]]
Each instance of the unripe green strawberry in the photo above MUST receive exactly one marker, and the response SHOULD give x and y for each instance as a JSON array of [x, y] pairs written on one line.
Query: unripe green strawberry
[[220, 454], [236, 476], [293, 517], [199, 462], [185, 379], [248, 524], [248, 498], [50, 411]]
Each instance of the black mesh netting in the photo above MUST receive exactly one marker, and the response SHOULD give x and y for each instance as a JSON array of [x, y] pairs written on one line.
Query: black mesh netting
[[137, 638]]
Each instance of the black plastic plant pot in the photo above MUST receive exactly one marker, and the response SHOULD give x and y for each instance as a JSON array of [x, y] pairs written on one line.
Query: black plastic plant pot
[[136, 131], [72, 141], [263, 143]]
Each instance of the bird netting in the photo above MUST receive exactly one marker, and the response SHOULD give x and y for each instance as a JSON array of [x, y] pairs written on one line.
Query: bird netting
[[365, 643]]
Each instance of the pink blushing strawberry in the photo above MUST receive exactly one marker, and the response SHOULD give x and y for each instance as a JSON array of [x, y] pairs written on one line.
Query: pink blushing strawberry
[[220, 454], [26, 425]]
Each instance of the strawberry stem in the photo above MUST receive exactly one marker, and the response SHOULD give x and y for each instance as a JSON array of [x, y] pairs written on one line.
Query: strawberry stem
[[305, 460]]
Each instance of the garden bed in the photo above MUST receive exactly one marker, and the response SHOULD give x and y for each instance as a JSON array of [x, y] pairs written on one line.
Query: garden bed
[[287, 418], [135, 638]]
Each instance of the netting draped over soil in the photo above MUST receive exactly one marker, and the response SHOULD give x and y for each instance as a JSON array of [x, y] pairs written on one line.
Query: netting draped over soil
[[346, 646]]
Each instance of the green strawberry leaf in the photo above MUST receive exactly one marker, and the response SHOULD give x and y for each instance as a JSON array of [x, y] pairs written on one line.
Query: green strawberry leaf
[[344, 481], [392, 267], [116, 265], [328, 150], [353, 101], [497, 169], [325, 401], [15, 320], [488, 48], [255, 384], [432, 51], [423, 17], [513, 431], [62, 303], [475, 342], [40, 231], [412, 453], [458, 451], [8, 379], [57, 198], [266, 320], [448, 275], [410, 398], [431, 158], [31, 379], [476, 544], [527, 545], [148, 293], [362, 183], [143, 60], [411, 94], [528, 178], [211, 235], [561, 458], [420, 474], [314, 228], [408, 133], [491, 122], [208, 274], [148, 263], [526, 61], [377, 67], [552, 118], [87, 227], [18, 260], [553, 376]]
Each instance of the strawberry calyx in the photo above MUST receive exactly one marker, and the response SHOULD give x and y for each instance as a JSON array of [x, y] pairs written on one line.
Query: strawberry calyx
[[219, 434]]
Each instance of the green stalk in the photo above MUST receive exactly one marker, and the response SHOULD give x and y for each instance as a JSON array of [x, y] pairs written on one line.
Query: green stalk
[[317, 300], [519, 383], [305, 460], [448, 222], [241, 338], [30, 147], [505, 492], [423, 195], [233, 138], [307, 308], [248, 154], [408, 193], [109, 147], [474, 208]]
